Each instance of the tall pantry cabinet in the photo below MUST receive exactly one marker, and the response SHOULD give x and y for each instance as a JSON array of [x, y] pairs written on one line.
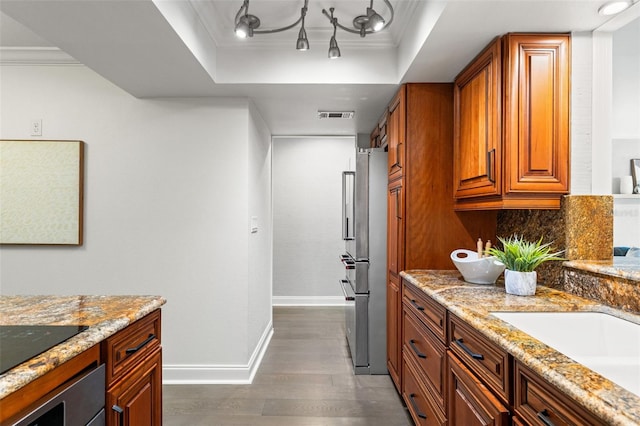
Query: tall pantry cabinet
[[423, 228]]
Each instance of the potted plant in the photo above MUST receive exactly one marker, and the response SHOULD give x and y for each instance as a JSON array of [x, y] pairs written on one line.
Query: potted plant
[[521, 258]]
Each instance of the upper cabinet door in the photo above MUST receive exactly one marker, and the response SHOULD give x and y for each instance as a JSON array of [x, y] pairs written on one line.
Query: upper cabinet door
[[536, 110], [396, 133], [477, 136]]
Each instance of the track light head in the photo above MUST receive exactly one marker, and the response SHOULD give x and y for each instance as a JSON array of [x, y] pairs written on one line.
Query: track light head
[[303, 41], [334, 50], [370, 22], [376, 22], [246, 24]]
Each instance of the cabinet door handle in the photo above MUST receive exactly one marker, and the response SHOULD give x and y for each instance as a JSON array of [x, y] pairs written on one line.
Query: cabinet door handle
[[418, 307], [398, 215], [120, 412], [491, 159], [415, 407], [544, 416], [464, 347], [415, 349], [130, 351]]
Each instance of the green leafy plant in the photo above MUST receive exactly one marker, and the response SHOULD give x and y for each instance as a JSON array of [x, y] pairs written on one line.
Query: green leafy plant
[[517, 254]]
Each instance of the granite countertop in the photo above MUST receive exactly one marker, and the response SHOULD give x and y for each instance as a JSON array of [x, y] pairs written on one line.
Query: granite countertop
[[473, 303], [105, 315], [620, 266]]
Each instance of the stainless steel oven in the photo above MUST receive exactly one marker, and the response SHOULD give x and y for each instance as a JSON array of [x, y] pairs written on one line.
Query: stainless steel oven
[[79, 402]]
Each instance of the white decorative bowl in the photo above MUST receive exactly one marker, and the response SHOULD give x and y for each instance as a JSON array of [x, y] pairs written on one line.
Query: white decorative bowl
[[474, 270]]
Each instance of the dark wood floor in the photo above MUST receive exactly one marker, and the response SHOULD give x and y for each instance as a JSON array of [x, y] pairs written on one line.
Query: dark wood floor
[[305, 380]]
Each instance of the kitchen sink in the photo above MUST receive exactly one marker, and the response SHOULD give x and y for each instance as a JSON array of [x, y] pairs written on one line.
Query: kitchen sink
[[604, 343]]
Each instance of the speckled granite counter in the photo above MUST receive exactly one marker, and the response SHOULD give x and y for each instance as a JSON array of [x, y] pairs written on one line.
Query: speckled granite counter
[[105, 315], [473, 304], [621, 267]]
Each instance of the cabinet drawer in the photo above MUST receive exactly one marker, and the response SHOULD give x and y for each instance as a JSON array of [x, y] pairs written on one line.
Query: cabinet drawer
[[428, 353], [429, 312], [128, 347], [470, 402], [487, 360], [538, 403], [420, 404]]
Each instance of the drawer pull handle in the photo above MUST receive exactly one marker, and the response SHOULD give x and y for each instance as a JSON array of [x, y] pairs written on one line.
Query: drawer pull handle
[[415, 349], [120, 412], [418, 307], [471, 353], [130, 351], [415, 407], [544, 416]]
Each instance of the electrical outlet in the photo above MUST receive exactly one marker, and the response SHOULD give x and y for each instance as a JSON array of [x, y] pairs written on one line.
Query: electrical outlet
[[36, 127]]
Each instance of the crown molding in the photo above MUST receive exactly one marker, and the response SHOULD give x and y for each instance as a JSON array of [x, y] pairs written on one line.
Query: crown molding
[[35, 56]]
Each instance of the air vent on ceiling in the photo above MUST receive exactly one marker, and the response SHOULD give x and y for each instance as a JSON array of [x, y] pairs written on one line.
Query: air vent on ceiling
[[335, 114]]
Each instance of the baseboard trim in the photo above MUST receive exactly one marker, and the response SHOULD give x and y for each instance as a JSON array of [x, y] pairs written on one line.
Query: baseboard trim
[[308, 300], [188, 374]]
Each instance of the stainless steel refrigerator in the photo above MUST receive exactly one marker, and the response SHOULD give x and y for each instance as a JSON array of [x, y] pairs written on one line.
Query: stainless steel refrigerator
[[364, 229]]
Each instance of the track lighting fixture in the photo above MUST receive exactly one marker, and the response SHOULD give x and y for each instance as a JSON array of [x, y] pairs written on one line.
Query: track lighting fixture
[[246, 25], [368, 23], [334, 50]]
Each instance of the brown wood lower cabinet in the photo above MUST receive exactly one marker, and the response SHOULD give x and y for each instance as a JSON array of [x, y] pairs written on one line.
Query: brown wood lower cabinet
[[136, 399], [133, 357], [394, 348], [538, 403], [424, 410], [466, 379], [470, 401]]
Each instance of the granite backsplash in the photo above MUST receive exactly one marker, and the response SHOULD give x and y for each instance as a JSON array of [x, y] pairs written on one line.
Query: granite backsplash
[[583, 228]]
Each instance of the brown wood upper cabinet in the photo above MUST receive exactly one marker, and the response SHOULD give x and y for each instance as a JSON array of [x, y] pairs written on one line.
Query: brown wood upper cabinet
[[396, 133], [511, 124]]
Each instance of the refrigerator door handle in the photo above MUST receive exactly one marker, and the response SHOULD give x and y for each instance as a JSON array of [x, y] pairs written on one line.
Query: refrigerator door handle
[[344, 290], [348, 183]]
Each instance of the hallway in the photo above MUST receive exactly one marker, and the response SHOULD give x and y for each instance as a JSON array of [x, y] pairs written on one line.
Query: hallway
[[305, 379]]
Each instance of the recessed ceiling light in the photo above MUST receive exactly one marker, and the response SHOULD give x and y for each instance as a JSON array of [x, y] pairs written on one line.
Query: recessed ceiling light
[[613, 7]]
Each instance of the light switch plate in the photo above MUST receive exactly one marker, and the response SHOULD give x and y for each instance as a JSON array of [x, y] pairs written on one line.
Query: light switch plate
[[254, 224]]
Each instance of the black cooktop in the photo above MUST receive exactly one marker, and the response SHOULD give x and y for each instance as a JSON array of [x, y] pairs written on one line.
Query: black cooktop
[[19, 343]]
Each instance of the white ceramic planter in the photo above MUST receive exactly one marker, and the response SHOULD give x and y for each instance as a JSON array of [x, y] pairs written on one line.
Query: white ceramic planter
[[520, 283]]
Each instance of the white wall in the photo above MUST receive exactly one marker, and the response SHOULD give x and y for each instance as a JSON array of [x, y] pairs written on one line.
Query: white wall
[[307, 197], [626, 81], [581, 82], [597, 159], [259, 312], [625, 129], [167, 199]]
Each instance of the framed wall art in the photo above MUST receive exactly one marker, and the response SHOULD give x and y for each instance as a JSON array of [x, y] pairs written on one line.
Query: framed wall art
[[41, 192]]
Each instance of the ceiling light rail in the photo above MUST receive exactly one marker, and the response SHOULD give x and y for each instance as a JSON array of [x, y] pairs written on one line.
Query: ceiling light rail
[[369, 23], [246, 25]]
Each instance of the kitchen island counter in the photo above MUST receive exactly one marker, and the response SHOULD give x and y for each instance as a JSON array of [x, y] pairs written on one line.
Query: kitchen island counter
[[104, 315], [474, 304]]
